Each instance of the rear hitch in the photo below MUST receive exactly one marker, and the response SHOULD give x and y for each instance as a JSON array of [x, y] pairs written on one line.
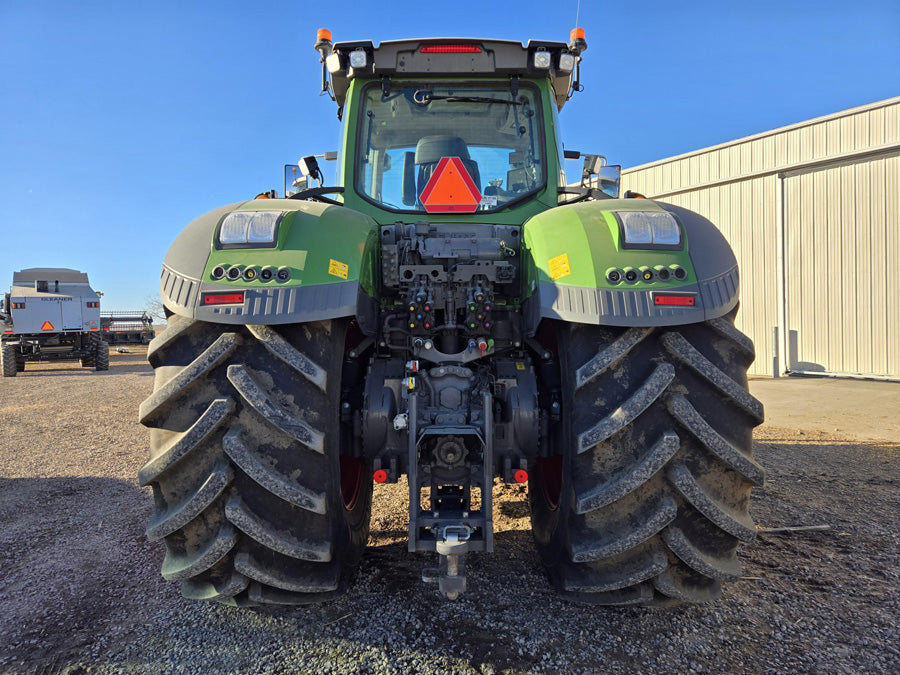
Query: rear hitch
[[450, 576]]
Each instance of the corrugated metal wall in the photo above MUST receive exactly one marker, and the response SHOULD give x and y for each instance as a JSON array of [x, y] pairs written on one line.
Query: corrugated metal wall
[[812, 213]]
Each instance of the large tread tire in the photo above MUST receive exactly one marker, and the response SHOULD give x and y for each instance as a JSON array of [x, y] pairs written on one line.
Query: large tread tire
[[247, 457], [90, 359], [101, 356], [647, 499], [8, 361]]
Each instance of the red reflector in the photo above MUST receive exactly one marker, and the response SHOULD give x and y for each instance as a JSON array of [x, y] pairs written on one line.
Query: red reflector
[[520, 476], [380, 476], [94, 329], [7, 332], [450, 49], [677, 300], [450, 189], [223, 298]]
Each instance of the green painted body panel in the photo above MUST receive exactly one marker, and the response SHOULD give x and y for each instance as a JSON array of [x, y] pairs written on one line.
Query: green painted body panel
[[575, 245], [312, 237]]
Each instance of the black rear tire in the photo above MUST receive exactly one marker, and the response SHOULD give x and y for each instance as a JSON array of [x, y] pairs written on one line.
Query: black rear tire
[[101, 356], [645, 496], [8, 360], [90, 359], [257, 489]]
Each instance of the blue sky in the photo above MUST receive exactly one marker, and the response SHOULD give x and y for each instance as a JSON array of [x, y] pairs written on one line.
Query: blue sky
[[120, 121]]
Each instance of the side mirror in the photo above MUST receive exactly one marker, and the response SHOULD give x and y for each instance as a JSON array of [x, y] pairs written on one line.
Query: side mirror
[[294, 180], [608, 179], [596, 173]]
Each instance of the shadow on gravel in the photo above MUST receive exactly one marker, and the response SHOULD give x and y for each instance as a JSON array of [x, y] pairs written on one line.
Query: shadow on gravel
[[57, 370], [77, 569], [118, 364]]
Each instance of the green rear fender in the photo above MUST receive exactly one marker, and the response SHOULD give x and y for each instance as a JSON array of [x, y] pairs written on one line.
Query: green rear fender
[[570, 250], [327, 252]]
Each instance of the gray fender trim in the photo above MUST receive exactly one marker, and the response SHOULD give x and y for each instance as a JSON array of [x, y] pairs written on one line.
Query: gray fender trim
[[263, 305], [715, 297]]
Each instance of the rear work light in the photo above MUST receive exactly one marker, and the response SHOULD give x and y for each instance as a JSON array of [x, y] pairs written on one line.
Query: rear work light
[[223, 299], [450, 49], [674, 300]]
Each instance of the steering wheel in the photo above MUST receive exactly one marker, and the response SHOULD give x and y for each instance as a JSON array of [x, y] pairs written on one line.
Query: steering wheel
[[317, 194]]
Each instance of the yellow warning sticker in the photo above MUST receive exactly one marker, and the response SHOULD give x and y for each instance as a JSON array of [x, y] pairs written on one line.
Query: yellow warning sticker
[[520, 365], [559, 266], [338, 269]]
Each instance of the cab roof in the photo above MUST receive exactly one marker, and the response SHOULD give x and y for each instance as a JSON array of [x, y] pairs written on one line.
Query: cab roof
[[438, 57]]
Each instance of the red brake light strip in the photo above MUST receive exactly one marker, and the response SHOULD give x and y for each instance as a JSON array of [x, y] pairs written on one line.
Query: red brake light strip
[[450, 49]]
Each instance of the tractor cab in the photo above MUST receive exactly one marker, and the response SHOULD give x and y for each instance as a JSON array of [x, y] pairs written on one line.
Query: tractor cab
[[448, 126]]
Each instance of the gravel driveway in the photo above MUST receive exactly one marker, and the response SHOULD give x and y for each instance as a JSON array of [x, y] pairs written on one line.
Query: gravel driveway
[[80, 589]]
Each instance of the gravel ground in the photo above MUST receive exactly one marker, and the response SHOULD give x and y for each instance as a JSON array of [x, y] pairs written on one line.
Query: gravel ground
[[81, 592]]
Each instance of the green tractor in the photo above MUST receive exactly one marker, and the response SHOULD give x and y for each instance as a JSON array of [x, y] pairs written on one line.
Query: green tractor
[[451, 310]]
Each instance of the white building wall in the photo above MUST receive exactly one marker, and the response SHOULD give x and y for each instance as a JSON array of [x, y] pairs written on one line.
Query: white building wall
[[811, 211]]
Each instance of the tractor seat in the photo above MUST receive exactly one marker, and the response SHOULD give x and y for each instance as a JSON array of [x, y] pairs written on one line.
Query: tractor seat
[[431, 149]]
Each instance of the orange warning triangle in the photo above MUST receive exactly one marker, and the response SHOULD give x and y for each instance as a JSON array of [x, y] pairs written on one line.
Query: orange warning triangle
[[450, 189], [47, 326]]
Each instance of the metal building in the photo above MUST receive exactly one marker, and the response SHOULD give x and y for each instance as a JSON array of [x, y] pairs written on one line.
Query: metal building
[[812, 211]]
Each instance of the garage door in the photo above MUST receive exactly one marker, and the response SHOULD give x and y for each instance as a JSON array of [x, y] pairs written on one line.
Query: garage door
[[842, 268]]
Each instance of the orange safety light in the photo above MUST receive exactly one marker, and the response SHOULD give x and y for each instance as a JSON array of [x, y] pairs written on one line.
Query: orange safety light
[[576, 34], [323, 34], [380, 476], [47, 326], [450, 189]]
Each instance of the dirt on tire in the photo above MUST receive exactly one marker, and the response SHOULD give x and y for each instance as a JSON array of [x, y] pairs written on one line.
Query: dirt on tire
[[81, 589]]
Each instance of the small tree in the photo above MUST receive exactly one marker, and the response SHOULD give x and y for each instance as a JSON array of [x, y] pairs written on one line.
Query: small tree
[[154, 307]]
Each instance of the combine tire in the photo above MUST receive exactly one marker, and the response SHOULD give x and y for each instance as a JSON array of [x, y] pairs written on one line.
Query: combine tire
[[8, 360], [101, 356], [257, 491], [645, 499], [91, 359]]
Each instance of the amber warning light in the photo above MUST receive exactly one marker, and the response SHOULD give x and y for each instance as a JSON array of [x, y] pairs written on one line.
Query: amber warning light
[[223, 298]]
